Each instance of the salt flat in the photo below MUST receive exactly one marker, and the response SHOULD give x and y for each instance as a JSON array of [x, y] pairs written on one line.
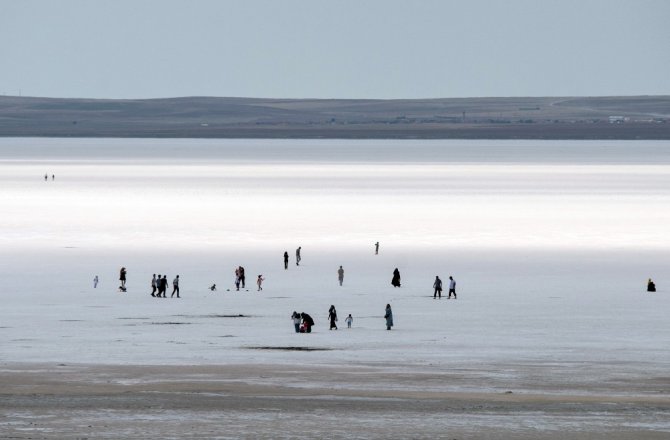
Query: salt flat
[[551, 244]]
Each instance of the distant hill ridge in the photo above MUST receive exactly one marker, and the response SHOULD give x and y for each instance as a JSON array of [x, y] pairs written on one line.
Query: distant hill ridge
[[614, 117]]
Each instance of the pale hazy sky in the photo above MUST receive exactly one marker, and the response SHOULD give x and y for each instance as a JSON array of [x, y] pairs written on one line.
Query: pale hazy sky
[[334, 49]]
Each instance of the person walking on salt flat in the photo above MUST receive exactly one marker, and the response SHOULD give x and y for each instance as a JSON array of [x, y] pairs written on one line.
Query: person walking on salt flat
[[377, 248], [437, 285], [452, 287], [395, 281], [297, 256], [175, 286], [153, 286], [122, 278], [259, 282], [340, 275], [95, 282], [349, 320], [285, 260], [388, 315], [332, 316]]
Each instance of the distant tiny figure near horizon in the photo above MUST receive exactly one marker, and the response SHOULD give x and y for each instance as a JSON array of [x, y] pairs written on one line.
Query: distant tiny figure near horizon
[[46, 177], [122, 278], [95, 282], [388, 315], [349, 320], [297, 256], [53, 177], [452, 287], [175, 287], [212, 287], [651, 286], [437, 285], [259, 282], [395, 281], [285, 260], [340, 275], [377, 248]]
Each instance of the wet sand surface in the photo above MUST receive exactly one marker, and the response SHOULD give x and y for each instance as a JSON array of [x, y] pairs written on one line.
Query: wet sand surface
[[347, 401]]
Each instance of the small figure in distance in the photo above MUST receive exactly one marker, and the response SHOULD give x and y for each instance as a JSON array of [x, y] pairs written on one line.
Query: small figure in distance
[[377, 248], [175, 286], [395, 281], [285, 260], [296, 321], [259, 282], [349, 320], [164, 285], [212, 287], [332, 316], [437, 285], [243, 278], [122, 278], [297, 256], [340, 275], [237, 278], [53, 177], [389, 317], [46, 177], [452, 288], [95, 282], [651, 286], [153, 286]]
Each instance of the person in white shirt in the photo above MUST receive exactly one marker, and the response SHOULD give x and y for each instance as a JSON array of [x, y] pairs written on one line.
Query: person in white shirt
[[452, 288]]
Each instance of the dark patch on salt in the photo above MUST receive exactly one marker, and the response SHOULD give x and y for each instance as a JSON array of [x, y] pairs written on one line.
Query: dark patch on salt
[[71, 320], [291, 348], [212, 316]]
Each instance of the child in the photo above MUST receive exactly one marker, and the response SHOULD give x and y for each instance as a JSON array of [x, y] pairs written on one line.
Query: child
[[259, 281], [349, 320]]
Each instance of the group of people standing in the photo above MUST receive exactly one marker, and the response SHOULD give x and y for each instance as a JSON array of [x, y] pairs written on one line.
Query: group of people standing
[[159, 286], [302, 322]]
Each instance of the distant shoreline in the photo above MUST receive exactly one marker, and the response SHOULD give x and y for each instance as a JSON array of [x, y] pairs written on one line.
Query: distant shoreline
[[550, 118]]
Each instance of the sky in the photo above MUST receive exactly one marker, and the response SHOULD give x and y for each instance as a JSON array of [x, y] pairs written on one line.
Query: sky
[[384, 49]]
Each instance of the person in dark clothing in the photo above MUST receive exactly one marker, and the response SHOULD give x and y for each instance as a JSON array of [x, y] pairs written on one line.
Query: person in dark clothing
[[122, 277], [388, 315], [332, 316], [307, 322], [242, 277], [285, 260], [297, 256], [377, 248], [158, 286], [651, 286], [395, 281], [164, 285], [437, 285]]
